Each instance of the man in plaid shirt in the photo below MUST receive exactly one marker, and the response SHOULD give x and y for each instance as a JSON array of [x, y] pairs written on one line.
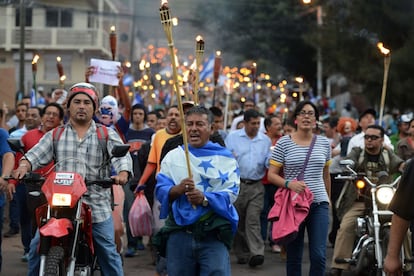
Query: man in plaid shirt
[[78, 150]]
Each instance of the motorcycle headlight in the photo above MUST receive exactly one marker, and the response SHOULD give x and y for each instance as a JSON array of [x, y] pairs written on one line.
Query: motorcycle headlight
[[385, 194], [61, 199], [360, 184]]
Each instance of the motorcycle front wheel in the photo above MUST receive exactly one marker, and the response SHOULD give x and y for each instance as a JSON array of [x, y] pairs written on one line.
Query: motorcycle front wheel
[[55, 265]]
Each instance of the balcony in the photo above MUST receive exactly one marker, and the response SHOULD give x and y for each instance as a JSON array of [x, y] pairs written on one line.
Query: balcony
[[56, 39]]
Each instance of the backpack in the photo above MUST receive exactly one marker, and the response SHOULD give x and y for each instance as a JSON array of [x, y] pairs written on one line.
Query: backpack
[[101, 132]]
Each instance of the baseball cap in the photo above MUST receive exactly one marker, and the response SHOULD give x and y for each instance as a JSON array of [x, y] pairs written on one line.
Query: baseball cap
[[406, 118], [368, 111]]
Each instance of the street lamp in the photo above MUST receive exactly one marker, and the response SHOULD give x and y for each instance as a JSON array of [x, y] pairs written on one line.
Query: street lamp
[[319, 83]]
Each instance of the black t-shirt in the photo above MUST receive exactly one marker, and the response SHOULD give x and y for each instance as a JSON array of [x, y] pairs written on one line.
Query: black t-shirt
[[401, 203]]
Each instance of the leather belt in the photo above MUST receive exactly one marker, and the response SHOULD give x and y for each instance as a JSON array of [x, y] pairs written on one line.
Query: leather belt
[[249, 181]]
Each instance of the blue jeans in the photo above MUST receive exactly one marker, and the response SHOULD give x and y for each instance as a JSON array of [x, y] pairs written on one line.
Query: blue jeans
[[24, 214], [104, 244], [14, 214], [188, 256], [268, 202], [317, 224]]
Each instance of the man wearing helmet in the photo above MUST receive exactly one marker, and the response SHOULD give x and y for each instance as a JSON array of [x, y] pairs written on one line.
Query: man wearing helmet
[[79, 139]]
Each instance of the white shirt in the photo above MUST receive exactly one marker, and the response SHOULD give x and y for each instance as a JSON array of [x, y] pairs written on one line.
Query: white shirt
[[358, 141]]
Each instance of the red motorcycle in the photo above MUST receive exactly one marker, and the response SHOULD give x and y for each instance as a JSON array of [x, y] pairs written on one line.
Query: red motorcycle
[[65, 221]]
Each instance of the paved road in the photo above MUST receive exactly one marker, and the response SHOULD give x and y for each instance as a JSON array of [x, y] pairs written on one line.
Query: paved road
[[141, 264]]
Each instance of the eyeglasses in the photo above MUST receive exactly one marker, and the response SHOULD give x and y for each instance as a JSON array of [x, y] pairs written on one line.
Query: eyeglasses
[[53, 114], [303, 113], [372, 137]]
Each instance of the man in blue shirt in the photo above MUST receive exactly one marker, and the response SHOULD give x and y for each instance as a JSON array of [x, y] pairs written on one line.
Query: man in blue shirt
[[252, 150]]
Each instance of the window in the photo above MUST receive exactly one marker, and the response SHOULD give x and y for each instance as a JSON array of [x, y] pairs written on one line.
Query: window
[[59, 18], [28, 17]]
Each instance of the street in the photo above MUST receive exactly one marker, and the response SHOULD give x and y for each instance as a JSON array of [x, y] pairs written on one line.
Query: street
[[141, 264]]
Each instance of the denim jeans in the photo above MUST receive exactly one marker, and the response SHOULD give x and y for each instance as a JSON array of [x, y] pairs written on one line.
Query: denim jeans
[[317, 223], [24, 214], [268, 202], [188, 256], [104, 244], [14, 214]]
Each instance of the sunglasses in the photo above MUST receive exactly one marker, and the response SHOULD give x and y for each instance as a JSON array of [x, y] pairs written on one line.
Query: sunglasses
[[372, 137]]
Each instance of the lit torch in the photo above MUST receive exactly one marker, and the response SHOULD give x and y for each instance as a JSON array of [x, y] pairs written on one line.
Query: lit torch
[[217, 67], [62, 76], [387, 60], [34, 72], [199, 52], [254, 78], [167, 24], [112, 42]]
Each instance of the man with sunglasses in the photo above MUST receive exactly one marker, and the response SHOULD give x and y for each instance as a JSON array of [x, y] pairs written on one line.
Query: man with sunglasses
[[371, 159], [367, 118]]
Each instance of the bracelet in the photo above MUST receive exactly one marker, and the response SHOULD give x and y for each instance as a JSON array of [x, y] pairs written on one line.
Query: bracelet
[[286, 184]]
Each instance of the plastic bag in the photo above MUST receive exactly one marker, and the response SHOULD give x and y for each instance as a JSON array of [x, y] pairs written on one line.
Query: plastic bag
[[140, 217]]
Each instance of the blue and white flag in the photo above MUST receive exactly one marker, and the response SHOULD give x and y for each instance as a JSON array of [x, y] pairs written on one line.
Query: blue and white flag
[[33, 101], [208, 68], [215, 172], [137, 99]]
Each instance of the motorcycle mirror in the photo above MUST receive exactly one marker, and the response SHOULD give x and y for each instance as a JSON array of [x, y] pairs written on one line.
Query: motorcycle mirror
[[120, 150], [347, 162], [16, 145]]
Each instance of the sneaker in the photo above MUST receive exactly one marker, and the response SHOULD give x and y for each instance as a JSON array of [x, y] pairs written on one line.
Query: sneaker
[[256, 260], [140, 246], [25, 257], [276, 248], [130, 253], [11, 233], [334, 272]]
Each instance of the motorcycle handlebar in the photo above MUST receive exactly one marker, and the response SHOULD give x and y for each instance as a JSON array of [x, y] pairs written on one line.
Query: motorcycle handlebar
[[104, 183]]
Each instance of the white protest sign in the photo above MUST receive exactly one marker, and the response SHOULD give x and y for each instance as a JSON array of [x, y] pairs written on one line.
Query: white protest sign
[[105, 71]]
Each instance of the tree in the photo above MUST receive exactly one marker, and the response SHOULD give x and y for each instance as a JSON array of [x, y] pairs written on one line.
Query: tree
[[282, 37]]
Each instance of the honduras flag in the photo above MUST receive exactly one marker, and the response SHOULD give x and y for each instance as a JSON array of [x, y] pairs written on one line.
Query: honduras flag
[[33, 101], [137, 99], [215, 173], [208, 68]]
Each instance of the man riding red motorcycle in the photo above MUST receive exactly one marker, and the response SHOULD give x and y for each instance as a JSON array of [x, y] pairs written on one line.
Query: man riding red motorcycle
[[78, 150]]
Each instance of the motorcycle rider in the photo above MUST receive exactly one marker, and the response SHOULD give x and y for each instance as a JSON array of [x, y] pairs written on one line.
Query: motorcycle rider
[[372, 159], [79, 139]]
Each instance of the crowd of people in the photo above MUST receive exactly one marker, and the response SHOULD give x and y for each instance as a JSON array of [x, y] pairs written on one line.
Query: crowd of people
[[216, 191]]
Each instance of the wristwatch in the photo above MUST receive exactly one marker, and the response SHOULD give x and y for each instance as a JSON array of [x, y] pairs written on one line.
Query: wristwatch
[[205, 202]]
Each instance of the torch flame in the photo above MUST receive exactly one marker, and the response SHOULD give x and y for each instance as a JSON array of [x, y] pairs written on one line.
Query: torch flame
[[382, 49], [112, 29], [58, 59], [199, 38], [218, 53], [35, 59], [164, 3]]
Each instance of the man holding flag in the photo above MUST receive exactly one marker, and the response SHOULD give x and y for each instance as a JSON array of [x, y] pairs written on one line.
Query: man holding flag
[[199, 209]]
